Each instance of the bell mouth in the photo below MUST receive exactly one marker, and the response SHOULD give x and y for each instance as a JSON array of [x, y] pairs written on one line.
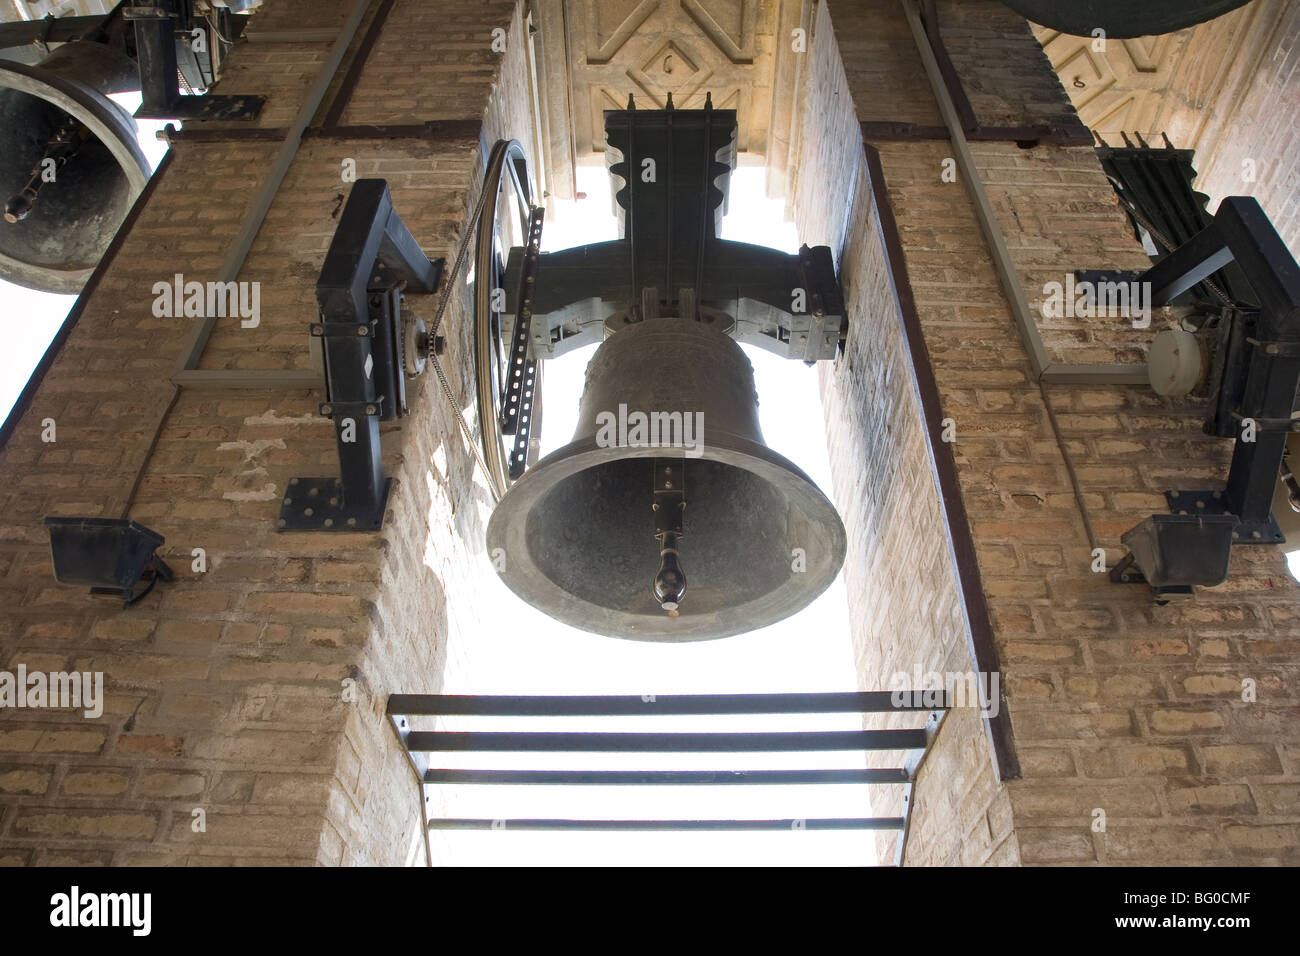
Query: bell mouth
[[576, 534], [56, 248]]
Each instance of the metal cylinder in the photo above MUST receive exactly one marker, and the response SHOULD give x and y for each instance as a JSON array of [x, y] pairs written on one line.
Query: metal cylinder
[[575, 536]]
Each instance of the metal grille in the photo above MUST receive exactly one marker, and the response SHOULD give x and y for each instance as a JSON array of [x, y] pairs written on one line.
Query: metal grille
[[911, 744]]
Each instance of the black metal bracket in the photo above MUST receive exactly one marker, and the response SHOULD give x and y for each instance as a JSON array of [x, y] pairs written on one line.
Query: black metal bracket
[[521, 371], [1258, 372], [372, 258], [671, 259], [165, 51], [1213, 503]]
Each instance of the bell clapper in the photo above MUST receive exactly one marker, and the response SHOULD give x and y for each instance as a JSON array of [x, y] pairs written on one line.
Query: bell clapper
[[669, 506], [61, 147]]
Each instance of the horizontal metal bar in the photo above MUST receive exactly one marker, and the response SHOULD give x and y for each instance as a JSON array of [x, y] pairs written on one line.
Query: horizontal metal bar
[[51, 30], [665, 777], [1125, 374], [777, 742], [302, 35], [467, 131], [793, 823], [861, 702], [241, 378]]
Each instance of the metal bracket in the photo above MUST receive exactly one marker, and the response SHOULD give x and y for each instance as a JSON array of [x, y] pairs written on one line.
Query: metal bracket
[[157, 27], [1214, 503], [911, 766], [360, 335], [317, 504], [521, 371]]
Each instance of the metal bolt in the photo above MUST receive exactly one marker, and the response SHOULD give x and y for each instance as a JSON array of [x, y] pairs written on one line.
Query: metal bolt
[[324, 410], [363, 330], [293, 481], [288, 501], [314, 491], [281, 523], [370, 409], [329, 522], [352, 522], [307, 511]]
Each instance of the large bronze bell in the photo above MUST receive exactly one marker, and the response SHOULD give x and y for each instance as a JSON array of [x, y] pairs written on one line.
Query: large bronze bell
[[70, 165], [596, 534], [1121, 18]]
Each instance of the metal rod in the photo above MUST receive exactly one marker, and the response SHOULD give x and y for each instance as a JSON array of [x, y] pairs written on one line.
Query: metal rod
[[666, 778], [344, 94], [197, 338], [864, 702], [1002, 261], [793, 823], [577, 741]]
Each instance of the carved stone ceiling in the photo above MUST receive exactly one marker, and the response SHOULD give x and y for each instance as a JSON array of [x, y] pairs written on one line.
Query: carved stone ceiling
[[1179, 83], [650, 48]]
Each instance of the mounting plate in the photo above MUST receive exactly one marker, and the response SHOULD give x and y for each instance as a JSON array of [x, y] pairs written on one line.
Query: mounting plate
[[1212, 503], [316, 504], [209, 106]]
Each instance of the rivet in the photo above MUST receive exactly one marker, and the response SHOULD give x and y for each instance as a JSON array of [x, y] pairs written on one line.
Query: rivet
[[307, 511], [329, 522], [281, 523], [314, 491], [288, 501], [293, 481], [352, 522]]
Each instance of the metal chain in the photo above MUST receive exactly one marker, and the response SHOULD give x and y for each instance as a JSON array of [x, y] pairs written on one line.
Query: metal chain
[[1146, 224], [459, 261], [473, 445]]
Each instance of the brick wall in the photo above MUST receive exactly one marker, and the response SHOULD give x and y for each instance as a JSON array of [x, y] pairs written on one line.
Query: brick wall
[[1115, 704], [224, 689], [1263, 126]]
